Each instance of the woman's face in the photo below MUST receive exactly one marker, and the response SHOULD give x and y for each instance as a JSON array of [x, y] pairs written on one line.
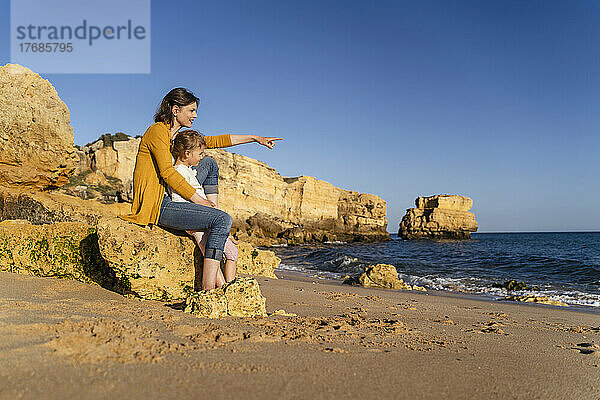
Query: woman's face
[[185, 115]]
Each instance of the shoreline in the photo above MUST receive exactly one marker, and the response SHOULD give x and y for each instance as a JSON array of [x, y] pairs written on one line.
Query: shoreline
[[301, 276], [64, 338]]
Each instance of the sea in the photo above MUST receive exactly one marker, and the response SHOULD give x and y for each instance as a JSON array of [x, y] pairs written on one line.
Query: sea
[[562, 266]]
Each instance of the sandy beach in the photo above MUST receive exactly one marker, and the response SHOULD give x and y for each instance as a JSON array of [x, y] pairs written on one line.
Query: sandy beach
[[65, 339]]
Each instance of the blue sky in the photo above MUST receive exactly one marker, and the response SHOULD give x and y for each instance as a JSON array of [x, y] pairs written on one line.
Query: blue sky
[[495, 100]]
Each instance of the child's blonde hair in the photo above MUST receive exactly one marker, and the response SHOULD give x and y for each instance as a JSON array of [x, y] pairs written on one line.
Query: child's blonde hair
[[186, 141]]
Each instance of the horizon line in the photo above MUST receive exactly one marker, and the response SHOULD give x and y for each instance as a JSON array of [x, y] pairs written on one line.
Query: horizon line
[[571, 231]]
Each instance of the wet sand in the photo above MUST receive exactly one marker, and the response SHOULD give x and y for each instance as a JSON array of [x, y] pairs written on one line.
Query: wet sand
[[65, 339]]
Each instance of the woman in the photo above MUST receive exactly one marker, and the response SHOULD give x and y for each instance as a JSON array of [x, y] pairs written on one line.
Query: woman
[[154, 169]]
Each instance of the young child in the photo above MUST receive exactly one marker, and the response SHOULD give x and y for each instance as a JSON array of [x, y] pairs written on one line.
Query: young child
[[187, 149]]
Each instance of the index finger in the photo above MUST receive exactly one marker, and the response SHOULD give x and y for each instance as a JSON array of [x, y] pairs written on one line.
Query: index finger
[[274, 138]]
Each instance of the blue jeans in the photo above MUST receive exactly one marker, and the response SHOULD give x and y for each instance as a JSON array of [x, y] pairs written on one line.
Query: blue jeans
[[207, 173], [186, 216]]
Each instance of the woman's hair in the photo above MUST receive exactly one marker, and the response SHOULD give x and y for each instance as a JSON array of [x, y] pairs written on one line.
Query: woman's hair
[[176, 97], [186, 141]]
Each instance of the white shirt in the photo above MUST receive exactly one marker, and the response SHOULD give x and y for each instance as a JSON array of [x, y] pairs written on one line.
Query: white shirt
[[190, 176]]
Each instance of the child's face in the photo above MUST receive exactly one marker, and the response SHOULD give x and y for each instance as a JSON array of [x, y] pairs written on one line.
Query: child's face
[[194, 156]]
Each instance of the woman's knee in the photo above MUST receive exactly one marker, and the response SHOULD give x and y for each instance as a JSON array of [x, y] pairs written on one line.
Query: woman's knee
[[223, 221]]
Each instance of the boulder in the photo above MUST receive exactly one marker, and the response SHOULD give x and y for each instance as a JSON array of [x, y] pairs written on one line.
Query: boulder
[[239, 298], [439, 217], [382, 276], [36, 139], [513, 284], [64, 250], [163, 264], [207, 304], [252, 261], [244, 298], [158, 264]]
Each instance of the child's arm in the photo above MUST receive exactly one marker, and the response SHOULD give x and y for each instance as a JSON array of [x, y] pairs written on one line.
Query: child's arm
[[196, 198], [192, 180]]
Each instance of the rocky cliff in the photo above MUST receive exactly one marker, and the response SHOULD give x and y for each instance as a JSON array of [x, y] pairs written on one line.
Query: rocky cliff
[[265, 205], [439, 217]]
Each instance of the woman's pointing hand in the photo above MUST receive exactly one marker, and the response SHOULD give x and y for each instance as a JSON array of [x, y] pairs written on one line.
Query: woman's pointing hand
[[267, 141]]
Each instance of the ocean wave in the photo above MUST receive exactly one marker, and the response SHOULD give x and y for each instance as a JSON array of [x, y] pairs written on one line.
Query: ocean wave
[[480, 286], [311, 272]]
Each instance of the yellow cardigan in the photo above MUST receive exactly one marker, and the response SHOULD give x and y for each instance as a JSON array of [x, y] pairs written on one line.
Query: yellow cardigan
[[154, 170]]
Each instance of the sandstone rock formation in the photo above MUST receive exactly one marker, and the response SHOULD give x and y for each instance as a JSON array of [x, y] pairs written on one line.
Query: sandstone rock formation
[[149, 263], [163, 265], [439, 217], [294, 210], [105, 168], [382, 276], [64, 250], [252, 261], [70, 250], [266, 207], [158, 265], [240, 298], [36, 140]]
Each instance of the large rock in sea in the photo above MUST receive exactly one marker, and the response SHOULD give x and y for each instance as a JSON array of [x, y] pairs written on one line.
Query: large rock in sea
[[36, 138], [275, 209], [439, 217]]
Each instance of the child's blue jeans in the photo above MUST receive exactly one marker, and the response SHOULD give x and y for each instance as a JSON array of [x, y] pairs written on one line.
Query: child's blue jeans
[[207, 173], [186, 216]]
